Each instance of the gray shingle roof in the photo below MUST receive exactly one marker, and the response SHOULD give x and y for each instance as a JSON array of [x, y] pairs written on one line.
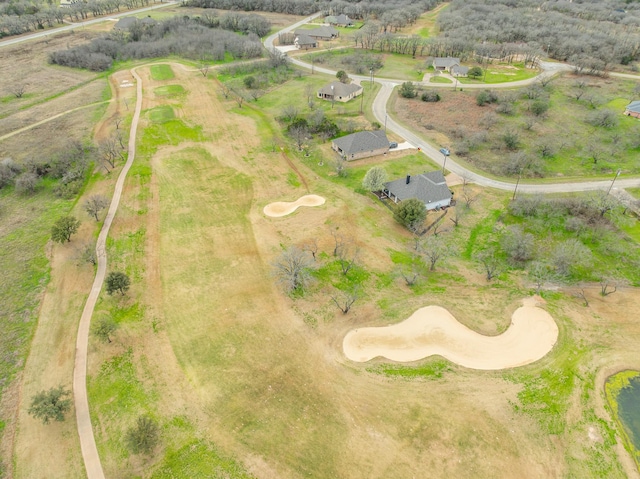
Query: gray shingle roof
[[339, 89], [343, 19], [362, 141], [446, 62], [428, 187], [459, 70], [634, 106], [303, 39], [323, 31]]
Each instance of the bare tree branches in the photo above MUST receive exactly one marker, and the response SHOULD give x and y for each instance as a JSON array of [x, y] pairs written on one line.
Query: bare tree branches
[[344, 299], [292, 269]]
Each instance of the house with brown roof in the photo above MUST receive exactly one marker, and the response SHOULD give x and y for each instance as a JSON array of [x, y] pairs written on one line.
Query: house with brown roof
[[361, 145], [338, 91], [430, 188]]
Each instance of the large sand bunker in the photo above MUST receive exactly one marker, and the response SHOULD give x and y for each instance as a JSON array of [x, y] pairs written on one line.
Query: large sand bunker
[[433, 330], [283, 208]]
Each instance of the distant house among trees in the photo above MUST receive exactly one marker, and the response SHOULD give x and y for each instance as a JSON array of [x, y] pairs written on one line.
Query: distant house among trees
[[323, 32], [362, 144], [445, 64], [430, 188], [633, 109], [340, 20], [338, 91], [304, 42]]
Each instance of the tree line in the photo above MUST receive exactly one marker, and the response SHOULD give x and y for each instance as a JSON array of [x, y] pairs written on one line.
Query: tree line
[[188, 37], [354, 9], [23, 17]]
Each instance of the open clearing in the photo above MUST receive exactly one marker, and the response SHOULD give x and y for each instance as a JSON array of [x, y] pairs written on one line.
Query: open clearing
[[433, 330]]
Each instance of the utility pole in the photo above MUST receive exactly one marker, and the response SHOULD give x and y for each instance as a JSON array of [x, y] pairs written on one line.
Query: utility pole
[[361, 99], [613, 181]]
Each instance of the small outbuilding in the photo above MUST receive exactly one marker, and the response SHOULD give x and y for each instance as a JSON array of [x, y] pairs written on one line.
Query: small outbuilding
[[459, 71], [361, 145], [125, 23], [430, 188], [338, 91], [633, 109]]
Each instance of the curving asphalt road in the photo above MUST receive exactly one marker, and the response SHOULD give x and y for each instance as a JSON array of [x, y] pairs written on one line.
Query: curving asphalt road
[[85, 431], [380, 112]]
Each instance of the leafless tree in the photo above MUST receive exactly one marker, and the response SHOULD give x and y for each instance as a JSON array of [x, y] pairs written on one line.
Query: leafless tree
[[468, 196], [608, 286], [109, 151], [225, 90], [292, 269], [290, 112], [540, 272], [95, 204], [457, 216], [581, 295], [344, 299], [18, 90], [438, 227], [491, 262], [434, 249], [348, 255], [118, 122], [339, 240], [87, 254], [340, 167], [299, 133], [204, 69], [311, 246]]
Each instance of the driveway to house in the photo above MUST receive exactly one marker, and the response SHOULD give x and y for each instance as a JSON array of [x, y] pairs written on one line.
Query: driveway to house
[[549, 69], [73, 26]]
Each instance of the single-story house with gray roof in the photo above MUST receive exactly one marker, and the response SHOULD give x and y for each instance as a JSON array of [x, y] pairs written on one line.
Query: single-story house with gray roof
[[342, 20], [459, 71], [323, 32], [361, 145], [633, 109], [125, 23], [445, 63], [338, 91], [304, 42], [430, 188]]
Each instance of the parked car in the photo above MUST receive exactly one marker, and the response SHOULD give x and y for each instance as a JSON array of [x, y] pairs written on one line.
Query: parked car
[[393, 144], [445, 151]]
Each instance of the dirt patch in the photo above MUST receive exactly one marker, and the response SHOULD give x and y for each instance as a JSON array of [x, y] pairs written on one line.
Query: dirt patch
[[284, 208], [433, 330]]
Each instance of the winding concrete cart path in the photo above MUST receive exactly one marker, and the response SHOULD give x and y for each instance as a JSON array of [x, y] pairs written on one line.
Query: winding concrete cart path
[[85, 431]]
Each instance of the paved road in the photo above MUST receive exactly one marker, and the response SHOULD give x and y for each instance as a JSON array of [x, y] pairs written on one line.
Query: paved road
[[72, 26], [381, 114], [85, 431]]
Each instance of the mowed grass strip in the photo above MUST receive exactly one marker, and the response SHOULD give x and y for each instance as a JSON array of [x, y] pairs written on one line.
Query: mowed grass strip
[[226, 328], [24, 231], [162, 72]]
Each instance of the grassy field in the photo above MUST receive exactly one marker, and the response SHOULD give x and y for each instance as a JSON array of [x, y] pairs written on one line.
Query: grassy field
[[401, 67], [477, 134], [502, 73]]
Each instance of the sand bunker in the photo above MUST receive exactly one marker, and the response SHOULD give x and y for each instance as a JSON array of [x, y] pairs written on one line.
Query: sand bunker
[[433, 330], [283, 208]]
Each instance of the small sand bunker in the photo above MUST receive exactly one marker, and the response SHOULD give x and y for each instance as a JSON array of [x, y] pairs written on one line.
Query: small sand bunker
[[433, 330], [284, 208]]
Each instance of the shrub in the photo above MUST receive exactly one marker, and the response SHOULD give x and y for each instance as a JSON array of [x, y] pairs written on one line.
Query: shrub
[[144, 436], [411, 213], [485, 97], [430, 96], [408, 90]]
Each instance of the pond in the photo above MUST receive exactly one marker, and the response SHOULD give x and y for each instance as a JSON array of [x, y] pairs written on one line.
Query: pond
[[623, 394]]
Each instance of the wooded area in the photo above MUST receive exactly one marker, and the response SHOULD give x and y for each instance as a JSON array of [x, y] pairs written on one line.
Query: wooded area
[[591, 34], [183, 36]]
